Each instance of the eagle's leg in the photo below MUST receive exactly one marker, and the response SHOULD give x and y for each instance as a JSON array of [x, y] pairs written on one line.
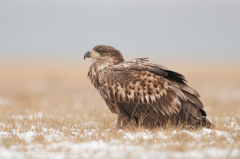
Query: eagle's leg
[[124, 121]]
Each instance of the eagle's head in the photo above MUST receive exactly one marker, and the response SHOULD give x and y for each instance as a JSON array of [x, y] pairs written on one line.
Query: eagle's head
[[104, 52]]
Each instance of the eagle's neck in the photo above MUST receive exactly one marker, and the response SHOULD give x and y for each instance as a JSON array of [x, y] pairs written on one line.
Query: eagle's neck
[[98, 65]]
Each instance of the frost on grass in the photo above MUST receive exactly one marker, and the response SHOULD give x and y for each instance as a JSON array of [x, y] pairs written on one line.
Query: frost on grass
[[32, 133]]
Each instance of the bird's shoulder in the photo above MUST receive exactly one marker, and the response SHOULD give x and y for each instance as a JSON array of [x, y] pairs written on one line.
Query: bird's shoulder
[[139, 66], [140, 63]]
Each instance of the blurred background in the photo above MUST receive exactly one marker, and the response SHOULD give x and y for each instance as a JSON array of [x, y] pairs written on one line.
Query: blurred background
[[60, 29], [42, 42]]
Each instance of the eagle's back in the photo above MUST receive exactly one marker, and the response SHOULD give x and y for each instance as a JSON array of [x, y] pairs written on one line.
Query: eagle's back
[[149, 93]]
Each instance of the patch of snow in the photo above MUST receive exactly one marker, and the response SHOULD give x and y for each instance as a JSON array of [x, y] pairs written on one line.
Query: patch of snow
[[2, 125], [27, 136], [33, 127], [100, 149], [234, 126], [129, 136]]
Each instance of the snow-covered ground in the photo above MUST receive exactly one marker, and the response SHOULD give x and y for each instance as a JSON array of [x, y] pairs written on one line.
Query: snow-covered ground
[[100, 149], [88, 141]]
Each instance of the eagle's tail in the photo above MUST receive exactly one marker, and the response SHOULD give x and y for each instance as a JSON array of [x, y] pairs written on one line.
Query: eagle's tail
[[206, 122]]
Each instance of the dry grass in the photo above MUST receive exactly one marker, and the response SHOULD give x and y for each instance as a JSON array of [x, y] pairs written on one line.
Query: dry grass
[[56, 102]]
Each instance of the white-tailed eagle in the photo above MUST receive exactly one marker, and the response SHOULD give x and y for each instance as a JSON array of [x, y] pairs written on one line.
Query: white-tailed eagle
[[143, 93]]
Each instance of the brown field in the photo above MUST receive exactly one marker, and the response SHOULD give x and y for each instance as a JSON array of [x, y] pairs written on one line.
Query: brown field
[[53, 107]]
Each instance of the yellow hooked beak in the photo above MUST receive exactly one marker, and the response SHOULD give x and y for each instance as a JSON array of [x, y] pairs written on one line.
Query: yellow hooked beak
[[92, 54]]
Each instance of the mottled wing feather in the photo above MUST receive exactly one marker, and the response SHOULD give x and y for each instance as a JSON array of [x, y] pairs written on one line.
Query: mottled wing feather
[[142, 87], [138, 87]]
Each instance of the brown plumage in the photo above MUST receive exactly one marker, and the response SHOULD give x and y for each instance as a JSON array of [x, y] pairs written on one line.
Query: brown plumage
[[143, 93]]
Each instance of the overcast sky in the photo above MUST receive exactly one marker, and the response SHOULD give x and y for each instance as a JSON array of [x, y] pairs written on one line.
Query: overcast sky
[[186, 29]]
